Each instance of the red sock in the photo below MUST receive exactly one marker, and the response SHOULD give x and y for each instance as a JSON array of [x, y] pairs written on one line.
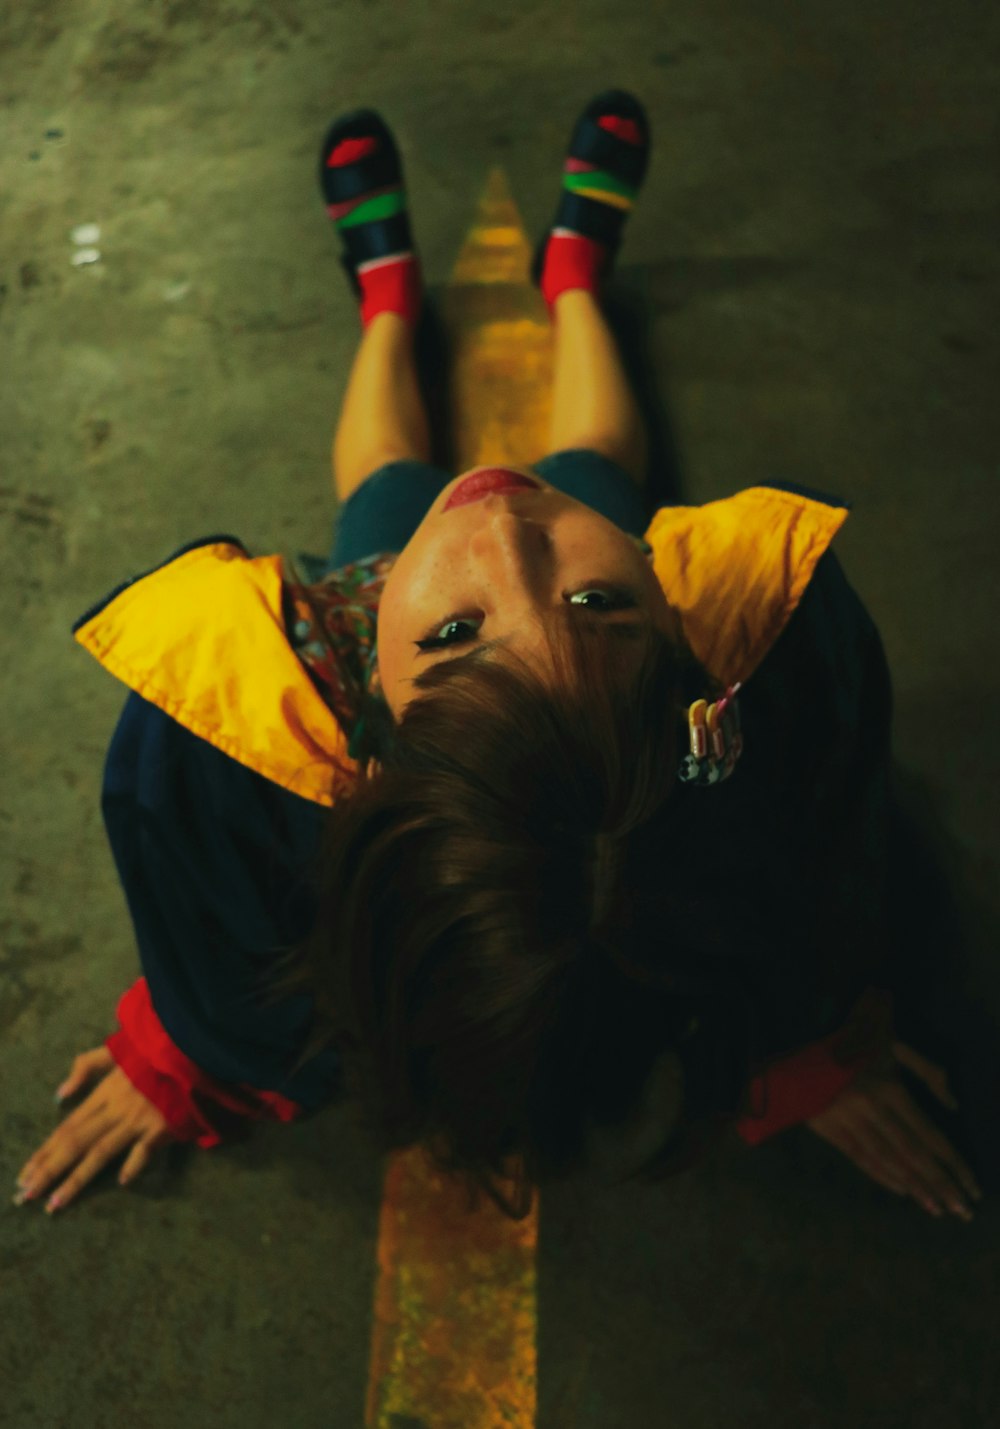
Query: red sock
[[392, 285]]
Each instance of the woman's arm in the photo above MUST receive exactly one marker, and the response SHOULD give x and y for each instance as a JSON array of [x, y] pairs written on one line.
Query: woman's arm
[[210, 855]]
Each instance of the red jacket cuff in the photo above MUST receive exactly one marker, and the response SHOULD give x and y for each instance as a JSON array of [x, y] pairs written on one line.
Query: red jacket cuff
[[185, 1096], [806, 1083]]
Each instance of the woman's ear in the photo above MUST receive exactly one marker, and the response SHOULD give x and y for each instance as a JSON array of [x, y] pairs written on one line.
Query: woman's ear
[[615, 1151]]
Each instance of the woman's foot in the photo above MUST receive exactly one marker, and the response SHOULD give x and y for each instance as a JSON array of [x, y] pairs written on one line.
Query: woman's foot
[[604, 169], [361, 176]]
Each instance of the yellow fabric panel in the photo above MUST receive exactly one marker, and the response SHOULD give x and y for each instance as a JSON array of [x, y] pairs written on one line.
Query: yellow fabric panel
[[737, 568], [203, 639]]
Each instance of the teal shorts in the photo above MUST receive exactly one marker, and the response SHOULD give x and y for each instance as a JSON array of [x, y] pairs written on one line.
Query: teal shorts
[[389, 505]]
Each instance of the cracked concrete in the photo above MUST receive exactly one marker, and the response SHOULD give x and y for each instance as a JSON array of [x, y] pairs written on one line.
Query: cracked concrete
[[817, 243]]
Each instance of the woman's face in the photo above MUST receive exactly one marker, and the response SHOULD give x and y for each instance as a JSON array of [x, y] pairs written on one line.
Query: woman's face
[[496, 569]]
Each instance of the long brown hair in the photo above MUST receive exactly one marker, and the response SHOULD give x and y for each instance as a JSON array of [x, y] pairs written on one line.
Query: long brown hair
[[510, 929]]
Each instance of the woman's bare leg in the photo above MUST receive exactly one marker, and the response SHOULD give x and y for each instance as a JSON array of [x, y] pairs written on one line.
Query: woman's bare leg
[[592, 402], [382, 416]]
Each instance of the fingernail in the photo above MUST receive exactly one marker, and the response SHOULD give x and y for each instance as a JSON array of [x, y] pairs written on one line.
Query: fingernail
[[19, 1199], [960, 1209], [933, 1207], [53, 1203]]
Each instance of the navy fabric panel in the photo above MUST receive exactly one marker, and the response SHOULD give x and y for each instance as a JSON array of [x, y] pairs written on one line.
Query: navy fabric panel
[[208, 853], [793, 843]]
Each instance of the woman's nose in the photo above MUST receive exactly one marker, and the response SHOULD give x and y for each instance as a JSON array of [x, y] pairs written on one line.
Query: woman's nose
[[513, 548]]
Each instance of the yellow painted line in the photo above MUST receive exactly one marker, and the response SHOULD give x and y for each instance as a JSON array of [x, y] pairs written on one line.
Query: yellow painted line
[[454, 1335], [454, 1344]]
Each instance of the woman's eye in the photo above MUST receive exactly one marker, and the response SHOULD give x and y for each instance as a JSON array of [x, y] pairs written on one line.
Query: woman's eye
[[436, 643], [615, 600]]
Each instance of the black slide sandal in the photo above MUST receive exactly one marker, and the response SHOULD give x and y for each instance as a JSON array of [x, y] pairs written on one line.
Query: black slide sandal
[[595, 145], [382, 169]]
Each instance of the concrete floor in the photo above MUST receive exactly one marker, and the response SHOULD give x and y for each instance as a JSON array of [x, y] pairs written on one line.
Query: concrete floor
[[818, 241]]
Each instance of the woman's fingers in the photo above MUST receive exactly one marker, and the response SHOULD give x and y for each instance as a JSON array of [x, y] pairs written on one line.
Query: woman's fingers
[[883, 1160], [62, 1147], [935, 1077], [865, 1155], [887, 1137], [73, 1139], [923, 1140], [911, 1165], [900, 1147], [105, 1150], [842, 1129], [95, 1161], [113, 1117], [137, 1160], [98, 1059]]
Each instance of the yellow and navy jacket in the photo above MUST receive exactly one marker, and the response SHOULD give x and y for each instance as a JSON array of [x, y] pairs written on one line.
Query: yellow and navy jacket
[[233, 743]]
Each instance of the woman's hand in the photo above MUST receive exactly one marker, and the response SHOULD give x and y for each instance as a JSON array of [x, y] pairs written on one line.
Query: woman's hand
[[877, 1124], [113, 1117]]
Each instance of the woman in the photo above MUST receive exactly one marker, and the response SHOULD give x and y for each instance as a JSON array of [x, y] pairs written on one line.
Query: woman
[[546, 928]]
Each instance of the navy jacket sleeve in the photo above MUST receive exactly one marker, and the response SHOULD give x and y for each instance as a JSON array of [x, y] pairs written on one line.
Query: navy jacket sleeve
[[833, 674], [210, 856], [825, 693], [799, 841]]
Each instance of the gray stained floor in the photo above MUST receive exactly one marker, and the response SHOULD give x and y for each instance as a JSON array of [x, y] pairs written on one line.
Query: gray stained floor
[[817, 246]]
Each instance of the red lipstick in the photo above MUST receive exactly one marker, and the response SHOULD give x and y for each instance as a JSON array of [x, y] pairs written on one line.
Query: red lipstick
[[491, 478]]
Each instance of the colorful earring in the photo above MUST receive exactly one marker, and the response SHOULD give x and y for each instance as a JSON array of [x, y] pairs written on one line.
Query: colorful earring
[[716, 740]]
